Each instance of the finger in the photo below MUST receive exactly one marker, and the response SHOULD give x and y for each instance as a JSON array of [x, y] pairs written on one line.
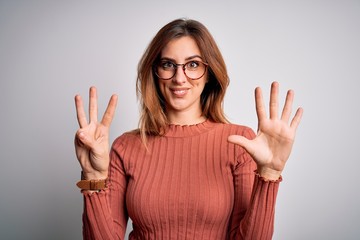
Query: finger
[[93, 104], [274, 103], [84, 139], [243, 142], [297, 118], [259, 102], [77, 141], [287, 106], [80, 112], [110, 110]]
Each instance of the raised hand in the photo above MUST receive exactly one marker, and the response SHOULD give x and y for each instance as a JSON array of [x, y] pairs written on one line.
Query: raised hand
[[92, 139], [272, 146]]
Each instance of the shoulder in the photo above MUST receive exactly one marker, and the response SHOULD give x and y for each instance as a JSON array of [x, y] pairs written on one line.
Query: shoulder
[[235, 129], [131, 137]]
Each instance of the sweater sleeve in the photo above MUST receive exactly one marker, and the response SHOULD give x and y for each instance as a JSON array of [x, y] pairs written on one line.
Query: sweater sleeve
[[105, 215], [254, 201]]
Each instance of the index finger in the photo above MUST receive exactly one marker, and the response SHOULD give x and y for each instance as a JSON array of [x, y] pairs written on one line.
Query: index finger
[[80, 112], [109, 112], [260, 108]]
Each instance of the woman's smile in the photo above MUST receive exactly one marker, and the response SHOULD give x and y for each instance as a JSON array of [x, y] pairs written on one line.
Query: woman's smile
[[179, 92]]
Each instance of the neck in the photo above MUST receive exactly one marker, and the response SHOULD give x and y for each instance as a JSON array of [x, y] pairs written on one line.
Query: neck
[[186, 118]]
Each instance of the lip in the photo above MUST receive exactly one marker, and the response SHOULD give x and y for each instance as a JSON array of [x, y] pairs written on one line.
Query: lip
[[179, 92]]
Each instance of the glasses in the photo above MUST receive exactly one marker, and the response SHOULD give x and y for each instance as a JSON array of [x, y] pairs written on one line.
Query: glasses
[[194, 69]]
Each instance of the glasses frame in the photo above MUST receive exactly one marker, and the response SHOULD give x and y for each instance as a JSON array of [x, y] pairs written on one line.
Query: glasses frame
[[183, 67]]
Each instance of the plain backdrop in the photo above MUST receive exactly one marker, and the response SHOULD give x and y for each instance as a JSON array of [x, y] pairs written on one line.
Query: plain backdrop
[[52, 50]]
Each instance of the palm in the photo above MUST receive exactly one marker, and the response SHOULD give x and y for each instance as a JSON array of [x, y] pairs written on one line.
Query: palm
[[96, 151], [272, 146], [92, 139], [273, 143]]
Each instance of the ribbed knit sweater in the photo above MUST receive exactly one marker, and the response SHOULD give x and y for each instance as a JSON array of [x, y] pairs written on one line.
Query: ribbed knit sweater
[[190, 183]]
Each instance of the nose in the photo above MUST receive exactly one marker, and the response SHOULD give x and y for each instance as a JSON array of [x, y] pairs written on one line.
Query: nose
[[179, 76]]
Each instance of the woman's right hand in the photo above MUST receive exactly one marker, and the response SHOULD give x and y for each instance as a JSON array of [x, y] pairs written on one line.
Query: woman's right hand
[[92, 139]]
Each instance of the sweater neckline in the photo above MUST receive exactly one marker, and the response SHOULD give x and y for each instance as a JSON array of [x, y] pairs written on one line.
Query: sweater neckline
[[176, 130]]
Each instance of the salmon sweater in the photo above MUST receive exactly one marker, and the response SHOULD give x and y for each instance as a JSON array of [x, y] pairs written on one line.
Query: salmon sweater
[[190, 183]]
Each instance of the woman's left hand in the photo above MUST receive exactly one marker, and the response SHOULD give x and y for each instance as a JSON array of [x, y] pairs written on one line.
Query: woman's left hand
[[272, 146]]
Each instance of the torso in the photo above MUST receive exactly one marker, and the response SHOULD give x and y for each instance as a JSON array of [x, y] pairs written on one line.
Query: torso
[[183, 184]]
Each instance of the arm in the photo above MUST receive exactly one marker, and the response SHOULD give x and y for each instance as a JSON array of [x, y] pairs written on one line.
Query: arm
[[270, 150], [105, 215], [254, 201], [104, 212]]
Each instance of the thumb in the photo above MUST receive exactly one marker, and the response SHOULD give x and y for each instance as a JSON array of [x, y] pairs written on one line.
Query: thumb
[[242, 141], [84, 139]]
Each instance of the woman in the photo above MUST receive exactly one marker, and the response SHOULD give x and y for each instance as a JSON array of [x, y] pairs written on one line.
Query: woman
[[186, 173]]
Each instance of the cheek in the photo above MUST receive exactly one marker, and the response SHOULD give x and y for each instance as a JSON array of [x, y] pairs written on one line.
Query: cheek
[[162, 87], [199, 85]]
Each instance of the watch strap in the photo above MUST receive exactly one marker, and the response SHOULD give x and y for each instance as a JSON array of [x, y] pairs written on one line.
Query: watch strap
[[92, 184]]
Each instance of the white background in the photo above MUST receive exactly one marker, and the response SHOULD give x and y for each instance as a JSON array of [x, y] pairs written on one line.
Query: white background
[[52, 50]]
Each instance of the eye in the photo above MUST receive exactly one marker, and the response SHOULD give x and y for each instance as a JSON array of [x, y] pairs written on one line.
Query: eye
[[192, 65], [167, 65]]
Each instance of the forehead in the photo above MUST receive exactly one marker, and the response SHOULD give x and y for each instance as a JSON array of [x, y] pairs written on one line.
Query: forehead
[[180, 49]]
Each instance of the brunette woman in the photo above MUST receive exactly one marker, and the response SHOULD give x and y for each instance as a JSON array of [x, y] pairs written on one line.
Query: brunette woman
[[186, 173]]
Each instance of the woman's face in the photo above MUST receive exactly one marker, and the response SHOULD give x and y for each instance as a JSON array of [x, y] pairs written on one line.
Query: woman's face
[[182, 94]]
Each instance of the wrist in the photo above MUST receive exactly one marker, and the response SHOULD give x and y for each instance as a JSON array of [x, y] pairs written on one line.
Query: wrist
[[269, 173], [94, 176]]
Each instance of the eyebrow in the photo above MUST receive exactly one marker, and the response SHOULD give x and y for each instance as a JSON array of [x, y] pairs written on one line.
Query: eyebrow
[[186, 59]]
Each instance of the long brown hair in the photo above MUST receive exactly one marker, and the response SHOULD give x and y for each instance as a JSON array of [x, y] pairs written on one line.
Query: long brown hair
[[153, 118]]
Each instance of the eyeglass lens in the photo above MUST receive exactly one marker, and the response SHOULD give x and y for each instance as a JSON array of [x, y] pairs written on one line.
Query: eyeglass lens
[[192, 69]]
